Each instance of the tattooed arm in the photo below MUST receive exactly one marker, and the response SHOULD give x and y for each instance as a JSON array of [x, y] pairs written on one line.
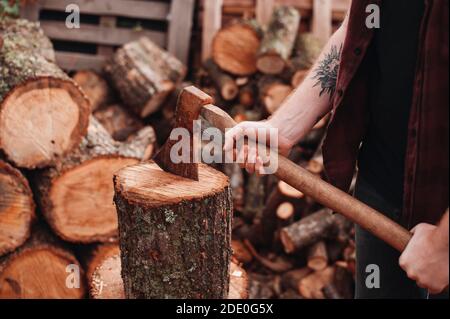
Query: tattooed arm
[[312, 99], [302, 109]]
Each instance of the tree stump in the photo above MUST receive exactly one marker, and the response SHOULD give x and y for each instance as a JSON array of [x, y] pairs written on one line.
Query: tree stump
[[16, 208], [43, 113], [76, 196], [279, 40], [175, 233], [42, 268], [144, 75]]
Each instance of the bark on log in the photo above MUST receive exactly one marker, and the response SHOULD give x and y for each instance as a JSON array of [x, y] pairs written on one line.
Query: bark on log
[[118, 122], [279, 40], [272, 92], [306, 51], [307, 231], [317, 256], [103, 272], [254, 197], [225, 84], [43, 112], [41, 268], [144, 75], [16, 208], [95, 87], [341, 286], [236, 176], [235, 47], [175, 233], [76, 195]]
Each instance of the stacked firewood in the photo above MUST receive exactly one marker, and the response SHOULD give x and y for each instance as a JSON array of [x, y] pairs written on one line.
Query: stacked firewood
[[290, 246], [61, 141], [251, 70]]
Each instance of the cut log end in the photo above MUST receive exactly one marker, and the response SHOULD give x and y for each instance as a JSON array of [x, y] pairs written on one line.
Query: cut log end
[[289, 191], [238, 282], [95, 88], [41, 121], [16, 208], [234, 49], [270, 64], [287, 242], [150, 185], [317, 256], [285, 211], [73, 204], [42, 268], [106, 282]]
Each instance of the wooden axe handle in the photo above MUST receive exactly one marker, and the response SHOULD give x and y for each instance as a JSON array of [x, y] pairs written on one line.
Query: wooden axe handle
[[325, 193]]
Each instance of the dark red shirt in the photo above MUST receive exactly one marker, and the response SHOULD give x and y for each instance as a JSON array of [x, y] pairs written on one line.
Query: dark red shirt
[[425, 196]]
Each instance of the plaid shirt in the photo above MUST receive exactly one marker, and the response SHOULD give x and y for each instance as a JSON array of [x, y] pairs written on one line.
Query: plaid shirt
[[427, 155]]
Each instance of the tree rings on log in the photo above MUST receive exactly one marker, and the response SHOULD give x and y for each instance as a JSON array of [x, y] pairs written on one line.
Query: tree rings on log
[[235, 46], [43, 113], [16, 208]]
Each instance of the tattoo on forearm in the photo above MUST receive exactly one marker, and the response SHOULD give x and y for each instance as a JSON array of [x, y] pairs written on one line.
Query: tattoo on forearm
[[327, 71]]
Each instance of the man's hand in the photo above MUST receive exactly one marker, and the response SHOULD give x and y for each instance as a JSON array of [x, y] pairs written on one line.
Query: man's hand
[[425, 259], [251, 161]]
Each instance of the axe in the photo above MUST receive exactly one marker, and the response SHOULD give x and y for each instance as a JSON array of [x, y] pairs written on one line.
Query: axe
[[192, 103]]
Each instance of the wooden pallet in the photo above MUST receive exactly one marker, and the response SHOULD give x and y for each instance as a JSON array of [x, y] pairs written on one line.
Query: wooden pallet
[[319, 14], [167, 23]]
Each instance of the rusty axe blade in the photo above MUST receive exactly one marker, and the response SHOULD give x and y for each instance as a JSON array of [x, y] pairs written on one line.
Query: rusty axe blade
[[189, 104]]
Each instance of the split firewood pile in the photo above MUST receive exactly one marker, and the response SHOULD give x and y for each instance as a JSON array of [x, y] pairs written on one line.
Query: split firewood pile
[[290, 246], [63, 137]]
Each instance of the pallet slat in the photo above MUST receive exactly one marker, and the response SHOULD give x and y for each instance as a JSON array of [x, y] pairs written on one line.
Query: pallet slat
[[79, 61], [179, 34], [99, 34], [125, 8]]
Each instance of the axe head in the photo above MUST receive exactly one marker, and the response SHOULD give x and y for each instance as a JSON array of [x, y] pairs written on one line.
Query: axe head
[[189, 104]]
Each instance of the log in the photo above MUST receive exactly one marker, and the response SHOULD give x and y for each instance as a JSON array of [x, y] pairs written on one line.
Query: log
[[118, 122], [247, 95], [341, 287], [291, 279], [317, 256], [235, 47], [240, 252], [311, 286], [103, 272], [306, 51], [144, 75], [95, 87], [254, 197], [43, 112], [272, 92], [16, 208], [175, 233], [307, 231], [39, 269], [225, 84], [75, 196], [279, 40], [285, 212], [238, 282]]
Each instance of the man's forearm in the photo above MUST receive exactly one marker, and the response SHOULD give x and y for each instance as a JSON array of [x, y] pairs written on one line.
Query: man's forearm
[[312, 99]]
